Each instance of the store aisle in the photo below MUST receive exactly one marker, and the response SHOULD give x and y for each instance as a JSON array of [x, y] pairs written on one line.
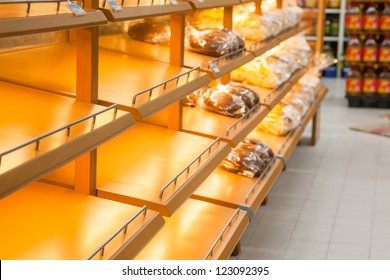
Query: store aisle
[[333, 201]]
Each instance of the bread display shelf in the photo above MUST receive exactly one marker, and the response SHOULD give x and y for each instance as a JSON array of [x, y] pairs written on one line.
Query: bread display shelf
[[208, 4], [148, 10], [233, 130], [42, 131], [313, 109], [217, 67], [45, 222], [14, 20], [236, 191], [197, 231], [260, 47], [154, 166], [121, 77]]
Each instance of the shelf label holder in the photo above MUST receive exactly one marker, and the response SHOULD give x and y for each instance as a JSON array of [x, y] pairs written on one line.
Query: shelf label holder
[[76, 9]]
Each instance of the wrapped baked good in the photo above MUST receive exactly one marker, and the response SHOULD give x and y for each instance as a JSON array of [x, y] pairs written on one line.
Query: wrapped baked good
[[300, 101], [267, 72], [252, 26], [281, 120], [150, 31], [206, 19], [214, 42], [191, 100], [229, 100], [249, 158]]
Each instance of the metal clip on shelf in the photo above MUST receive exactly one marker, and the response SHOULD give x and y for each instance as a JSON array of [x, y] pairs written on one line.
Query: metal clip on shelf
[[66, 127], [220, 238], [164, 84], [262, 175], [245, 116], [187, 169], [123, 228], [283, 160]]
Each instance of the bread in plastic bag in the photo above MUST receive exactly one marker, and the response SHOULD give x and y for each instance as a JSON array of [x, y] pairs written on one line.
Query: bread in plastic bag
[[281, 120], [229, 100], [154, 31], [249, 158], [213, 42]]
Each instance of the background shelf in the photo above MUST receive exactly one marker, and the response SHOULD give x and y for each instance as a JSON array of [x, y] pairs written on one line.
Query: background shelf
[[192, 231], [46, 222], [208, 4]]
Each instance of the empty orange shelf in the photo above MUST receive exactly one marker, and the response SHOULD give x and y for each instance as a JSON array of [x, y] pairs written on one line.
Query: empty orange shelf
[[136, 166], [45, 222], [27, 114], [121, 76], [194, 233]]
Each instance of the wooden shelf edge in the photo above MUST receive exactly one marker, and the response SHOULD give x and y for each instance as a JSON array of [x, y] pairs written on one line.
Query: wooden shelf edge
[[47, 23], [161, 102], [139, 240], [313, 109], [230, 65], [129, 13], [208, 4], [186, 190], [46, 162], [231, 238], [292, 143], [169, 205]]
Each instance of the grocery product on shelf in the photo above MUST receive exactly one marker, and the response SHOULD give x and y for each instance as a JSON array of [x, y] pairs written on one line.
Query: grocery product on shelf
[[214, 42], [370, 49], [354, 49], [384, 81], [354, 82], [384, 50], [370, 82], [385, 18], [371, 18], [353, 17], [249, 158], [206, 19]]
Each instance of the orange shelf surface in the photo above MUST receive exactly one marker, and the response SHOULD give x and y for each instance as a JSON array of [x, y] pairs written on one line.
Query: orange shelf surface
[[133, 11], [27, 114], [44, 222], [121, 76], [43, 17], [236, 191], [136, 166], [194, 233]]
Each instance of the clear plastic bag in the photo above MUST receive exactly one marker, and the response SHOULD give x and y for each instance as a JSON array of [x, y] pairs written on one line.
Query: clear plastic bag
[[281, 120], [213, 42], [252, 26], [229, 100], [249, 158], [153, 30], [206, 19]]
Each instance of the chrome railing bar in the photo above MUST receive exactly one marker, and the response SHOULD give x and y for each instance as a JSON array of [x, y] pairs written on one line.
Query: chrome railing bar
[[220, 238], [245, 116], [67, 127], [262, 175], [187, 169], [164, 84], [226, 56], [124, 227]]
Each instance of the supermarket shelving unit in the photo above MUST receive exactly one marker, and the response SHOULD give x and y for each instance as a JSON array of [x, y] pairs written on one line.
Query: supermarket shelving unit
[[136, 195]]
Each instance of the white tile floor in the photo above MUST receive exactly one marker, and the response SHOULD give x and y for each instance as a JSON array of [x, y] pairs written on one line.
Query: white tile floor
[[333, 201]]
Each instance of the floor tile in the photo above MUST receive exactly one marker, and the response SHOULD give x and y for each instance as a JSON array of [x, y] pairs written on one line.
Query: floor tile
[[291, 254]]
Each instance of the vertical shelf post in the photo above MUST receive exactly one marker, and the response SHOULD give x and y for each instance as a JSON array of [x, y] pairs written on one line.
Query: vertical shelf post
[[87, 44], [258, 7], [176, 58], [227, 23]]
